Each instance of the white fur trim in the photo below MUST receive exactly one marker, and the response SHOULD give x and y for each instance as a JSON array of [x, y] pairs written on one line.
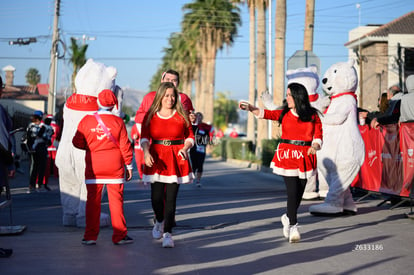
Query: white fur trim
[[167, 179], [143, 140], [104, 181]]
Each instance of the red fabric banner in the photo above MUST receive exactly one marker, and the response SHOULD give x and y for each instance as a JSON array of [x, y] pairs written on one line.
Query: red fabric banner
[[389, 159], [407, 152]]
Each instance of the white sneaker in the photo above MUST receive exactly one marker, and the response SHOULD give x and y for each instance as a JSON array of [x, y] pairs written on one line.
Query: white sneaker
[[167, 240], [285, 222], [294, 236], [157, 230]]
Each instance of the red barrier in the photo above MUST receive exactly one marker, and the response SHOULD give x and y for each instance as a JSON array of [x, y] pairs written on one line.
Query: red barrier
[[389, 163]]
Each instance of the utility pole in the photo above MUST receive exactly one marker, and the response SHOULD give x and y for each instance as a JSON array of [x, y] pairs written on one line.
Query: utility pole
[[51, 100]]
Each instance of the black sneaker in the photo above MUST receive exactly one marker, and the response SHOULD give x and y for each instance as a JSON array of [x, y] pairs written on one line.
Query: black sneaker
[[5, 253], [126, 240], [47, 188], [88, 242]]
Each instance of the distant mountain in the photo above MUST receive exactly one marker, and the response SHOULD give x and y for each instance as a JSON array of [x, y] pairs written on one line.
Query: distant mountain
[[133, 97]]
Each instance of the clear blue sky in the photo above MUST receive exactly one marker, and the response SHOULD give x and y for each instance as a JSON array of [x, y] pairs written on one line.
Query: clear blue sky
[[131, 35]]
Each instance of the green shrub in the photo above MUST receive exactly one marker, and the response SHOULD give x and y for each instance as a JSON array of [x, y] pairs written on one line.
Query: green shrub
[[269, 146]]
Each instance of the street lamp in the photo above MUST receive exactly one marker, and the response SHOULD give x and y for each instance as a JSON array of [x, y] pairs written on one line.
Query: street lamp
[[84, 38]]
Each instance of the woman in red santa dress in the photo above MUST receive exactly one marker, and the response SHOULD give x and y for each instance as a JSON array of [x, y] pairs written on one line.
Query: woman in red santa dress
[[295, 156], [166, 138], [104, 137]]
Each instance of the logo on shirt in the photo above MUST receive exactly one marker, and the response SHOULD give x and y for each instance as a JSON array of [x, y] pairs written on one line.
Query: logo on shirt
[[100, 133]]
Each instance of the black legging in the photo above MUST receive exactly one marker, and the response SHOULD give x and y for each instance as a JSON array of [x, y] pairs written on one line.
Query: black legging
[[38, 165], [294, 189], [167, 192]]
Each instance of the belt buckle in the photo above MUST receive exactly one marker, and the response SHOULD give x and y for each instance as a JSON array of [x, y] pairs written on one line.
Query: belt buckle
[[301, 143], [166, 142]]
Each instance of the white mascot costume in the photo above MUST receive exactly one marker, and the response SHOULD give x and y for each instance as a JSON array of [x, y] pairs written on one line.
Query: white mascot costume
[[309, 78], [91, 79], [343, 150]]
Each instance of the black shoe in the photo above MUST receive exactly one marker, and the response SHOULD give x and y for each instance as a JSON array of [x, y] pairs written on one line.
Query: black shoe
[[126, 240], [5, 253], [47, 188]]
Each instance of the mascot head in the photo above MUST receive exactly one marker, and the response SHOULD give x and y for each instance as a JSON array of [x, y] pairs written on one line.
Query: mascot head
[[340, 78], [308, 77], [94, 77]]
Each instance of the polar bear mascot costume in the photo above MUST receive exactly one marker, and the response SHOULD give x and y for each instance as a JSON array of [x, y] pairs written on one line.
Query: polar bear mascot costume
[[91, 79], [309, 78], [343, 150]]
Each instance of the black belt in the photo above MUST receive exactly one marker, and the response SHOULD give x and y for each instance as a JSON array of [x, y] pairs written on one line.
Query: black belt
[[168, 142], [296, 142]]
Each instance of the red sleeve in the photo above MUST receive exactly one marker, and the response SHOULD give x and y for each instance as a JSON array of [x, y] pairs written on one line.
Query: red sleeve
[[125, 145], [272, 115], [318, 128], [145, 131], [79, 139], [186, 101], [144, 107]]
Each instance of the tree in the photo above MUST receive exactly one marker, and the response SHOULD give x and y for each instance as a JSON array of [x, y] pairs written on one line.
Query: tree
[[225, 110], [262, 125], [33, 78], [279, 71], [77, 58], [213, 23]]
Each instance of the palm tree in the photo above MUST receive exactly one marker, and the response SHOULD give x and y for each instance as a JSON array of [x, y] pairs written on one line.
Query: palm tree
[[262, 125], [77, 58], [215, 24], [279, 70], [32, 78]]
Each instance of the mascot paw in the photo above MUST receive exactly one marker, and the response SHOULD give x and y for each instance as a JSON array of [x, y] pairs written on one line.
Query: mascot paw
[[310, 196], [326, 209], [267, 101], [350, 207]]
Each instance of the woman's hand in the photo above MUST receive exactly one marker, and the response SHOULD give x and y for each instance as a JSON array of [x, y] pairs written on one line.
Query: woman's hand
[[315, 147], [183, 154], [129, 175], [149, 161]]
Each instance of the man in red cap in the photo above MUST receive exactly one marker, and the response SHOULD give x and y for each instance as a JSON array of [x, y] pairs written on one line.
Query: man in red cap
[[104, 137]]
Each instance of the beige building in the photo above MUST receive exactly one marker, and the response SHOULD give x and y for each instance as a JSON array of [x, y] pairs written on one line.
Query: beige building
[[384, 55]]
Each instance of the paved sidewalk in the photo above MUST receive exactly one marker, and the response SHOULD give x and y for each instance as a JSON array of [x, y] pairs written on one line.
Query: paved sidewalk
[[229, 226]]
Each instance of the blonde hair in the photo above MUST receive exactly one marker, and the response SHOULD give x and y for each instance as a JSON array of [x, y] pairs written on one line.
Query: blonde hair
[[156, 104]]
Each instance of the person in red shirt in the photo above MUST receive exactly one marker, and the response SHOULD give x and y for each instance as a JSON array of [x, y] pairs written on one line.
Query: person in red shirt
[[295, 156], [167, 136], [104, 137], [202, 132], [138, 153]]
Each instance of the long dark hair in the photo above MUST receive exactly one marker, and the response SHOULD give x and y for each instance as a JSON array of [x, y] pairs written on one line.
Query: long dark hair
[[156, 104], [303, 108]]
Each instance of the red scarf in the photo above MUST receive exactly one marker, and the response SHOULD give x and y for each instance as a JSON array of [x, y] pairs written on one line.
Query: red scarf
[[341, 94], [80, 102]]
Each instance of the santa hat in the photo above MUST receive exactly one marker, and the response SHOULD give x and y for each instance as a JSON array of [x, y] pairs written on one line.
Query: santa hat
[[107, 99], [308, 77]]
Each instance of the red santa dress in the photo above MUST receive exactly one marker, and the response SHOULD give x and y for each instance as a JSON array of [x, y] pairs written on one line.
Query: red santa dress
[[292, 160], [105, 162], [168, 166]]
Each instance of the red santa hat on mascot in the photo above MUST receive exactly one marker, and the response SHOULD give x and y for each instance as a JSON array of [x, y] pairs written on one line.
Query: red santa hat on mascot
[[308, 77], [107, 100]]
